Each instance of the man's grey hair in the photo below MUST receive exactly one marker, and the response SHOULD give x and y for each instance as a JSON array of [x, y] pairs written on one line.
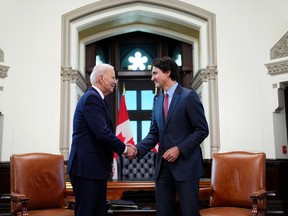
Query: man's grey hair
[[98, 70]]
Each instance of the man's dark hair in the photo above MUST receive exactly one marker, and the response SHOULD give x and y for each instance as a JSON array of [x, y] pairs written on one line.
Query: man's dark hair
[[165, 64]]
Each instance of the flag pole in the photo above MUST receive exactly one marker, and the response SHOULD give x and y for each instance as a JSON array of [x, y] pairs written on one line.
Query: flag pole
[[123, 92]]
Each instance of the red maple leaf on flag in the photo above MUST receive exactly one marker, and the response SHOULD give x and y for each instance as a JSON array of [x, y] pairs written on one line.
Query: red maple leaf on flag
[[121, 137], [123, 128]]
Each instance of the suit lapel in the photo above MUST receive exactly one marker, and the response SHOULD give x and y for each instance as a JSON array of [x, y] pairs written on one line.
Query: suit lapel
[[108, 113], [173, 104], [106, 108], [159, 111]]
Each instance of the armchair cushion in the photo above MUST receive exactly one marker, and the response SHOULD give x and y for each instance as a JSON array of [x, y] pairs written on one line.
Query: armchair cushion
[[51, 212], [226, 211]]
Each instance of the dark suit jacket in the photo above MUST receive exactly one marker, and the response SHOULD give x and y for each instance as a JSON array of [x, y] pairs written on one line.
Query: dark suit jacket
[[93, 140], [186, 127]]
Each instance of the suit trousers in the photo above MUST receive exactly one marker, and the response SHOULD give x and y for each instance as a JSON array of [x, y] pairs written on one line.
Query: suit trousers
[[167, 188], [90, 196]]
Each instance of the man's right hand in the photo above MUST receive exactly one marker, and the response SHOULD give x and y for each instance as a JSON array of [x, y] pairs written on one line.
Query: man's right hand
[[131, 151]]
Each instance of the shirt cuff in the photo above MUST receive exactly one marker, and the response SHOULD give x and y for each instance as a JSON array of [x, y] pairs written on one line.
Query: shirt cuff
[[125, 150]]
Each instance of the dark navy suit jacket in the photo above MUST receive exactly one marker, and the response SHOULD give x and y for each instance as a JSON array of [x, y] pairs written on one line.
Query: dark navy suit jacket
[[93, 140], [186, 127]]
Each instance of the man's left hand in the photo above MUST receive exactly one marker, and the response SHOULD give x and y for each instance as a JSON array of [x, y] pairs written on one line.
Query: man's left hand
[[171, 154]]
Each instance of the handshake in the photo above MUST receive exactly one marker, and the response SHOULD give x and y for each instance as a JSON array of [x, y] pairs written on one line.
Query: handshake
[[131, 151]]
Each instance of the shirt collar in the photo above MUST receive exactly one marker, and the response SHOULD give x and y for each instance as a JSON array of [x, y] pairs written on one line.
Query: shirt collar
[[172, 89], [99, 91]]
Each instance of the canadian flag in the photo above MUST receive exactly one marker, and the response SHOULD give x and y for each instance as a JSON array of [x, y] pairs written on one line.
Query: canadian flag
[[123, 130], [155, 149]]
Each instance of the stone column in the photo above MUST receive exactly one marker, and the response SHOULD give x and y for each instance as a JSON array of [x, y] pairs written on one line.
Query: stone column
[[68, 75], [209, 75], [214, 108], [3, 74]]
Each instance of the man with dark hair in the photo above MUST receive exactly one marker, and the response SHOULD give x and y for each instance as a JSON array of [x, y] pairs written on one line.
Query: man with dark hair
[[179, 126]]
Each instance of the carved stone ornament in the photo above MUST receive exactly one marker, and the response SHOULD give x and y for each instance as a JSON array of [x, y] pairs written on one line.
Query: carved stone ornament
[[3, 68], [73, 75], [3, 71], [69, 74], [200, 77], [65, 73], [280, 66], [280, 49], [1, 55], [81, 82], [203, 74]]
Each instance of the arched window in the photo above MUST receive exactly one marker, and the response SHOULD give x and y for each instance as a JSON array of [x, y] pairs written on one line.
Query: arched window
[[136, 60], [136, 55]]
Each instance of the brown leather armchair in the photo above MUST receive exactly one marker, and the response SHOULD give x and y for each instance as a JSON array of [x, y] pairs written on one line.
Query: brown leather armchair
[[38, 185], [238, 185]]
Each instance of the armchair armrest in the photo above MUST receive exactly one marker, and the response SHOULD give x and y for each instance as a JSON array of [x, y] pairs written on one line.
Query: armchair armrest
[[256, 197], [20, 202], [260, 194], [205, 193]]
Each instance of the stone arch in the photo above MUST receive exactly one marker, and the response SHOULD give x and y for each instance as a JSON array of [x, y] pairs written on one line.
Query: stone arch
[[169, 18]]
